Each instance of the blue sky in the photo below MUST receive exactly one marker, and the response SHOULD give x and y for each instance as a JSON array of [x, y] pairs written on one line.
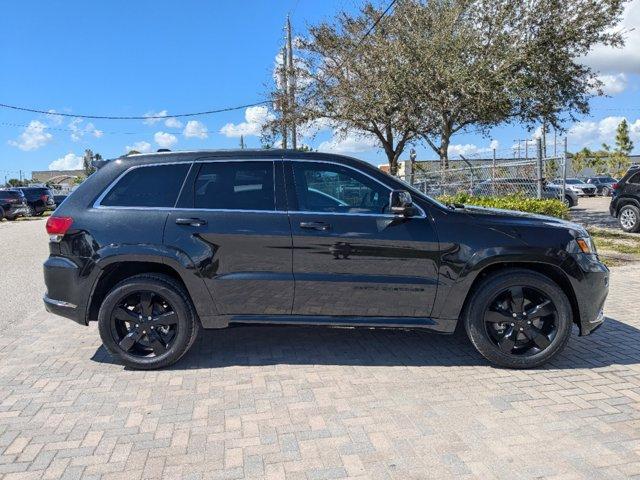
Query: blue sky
[[132, 58]]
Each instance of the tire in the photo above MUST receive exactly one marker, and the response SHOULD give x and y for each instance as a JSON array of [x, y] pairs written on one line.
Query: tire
[[478, 329], [629, 218], [568, 201], [11, 219], [606, 192], [30, 211], [1, 213], [140, 355]]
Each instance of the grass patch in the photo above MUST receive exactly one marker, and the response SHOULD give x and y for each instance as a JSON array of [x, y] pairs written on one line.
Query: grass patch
[[616, 248]]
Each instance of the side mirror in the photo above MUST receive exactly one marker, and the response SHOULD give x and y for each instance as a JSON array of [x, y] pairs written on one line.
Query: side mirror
[[400, 203]]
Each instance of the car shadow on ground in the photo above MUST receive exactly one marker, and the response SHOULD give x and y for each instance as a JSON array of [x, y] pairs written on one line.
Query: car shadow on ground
[[590, 217], [615, 343]]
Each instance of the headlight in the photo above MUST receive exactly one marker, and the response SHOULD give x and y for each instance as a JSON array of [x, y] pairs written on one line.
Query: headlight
[[582, 245]]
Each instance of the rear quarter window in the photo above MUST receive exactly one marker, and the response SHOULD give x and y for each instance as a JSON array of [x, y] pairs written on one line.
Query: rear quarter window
[[152, 186], [635, 178]]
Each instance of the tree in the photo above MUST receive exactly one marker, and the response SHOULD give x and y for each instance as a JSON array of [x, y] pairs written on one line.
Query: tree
[[433, 68], [87, 162], [481, 63], [14, 182], [624, 144], [133, 152]]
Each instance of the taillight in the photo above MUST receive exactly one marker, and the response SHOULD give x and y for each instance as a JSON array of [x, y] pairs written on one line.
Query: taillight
[[615, 186], [58, 226]]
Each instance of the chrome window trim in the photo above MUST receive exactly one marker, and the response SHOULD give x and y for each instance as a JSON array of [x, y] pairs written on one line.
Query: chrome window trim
[[97, 204], [423, 214]]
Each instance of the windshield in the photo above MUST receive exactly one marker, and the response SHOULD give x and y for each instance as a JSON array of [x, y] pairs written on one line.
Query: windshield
[[573, 181]]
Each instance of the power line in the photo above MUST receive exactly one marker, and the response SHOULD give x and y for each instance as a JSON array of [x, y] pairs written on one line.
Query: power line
[[145, 117]]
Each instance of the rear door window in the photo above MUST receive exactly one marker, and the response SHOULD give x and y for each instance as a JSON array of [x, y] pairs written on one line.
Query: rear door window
[[235, 185], [153, 186], [635, 178]]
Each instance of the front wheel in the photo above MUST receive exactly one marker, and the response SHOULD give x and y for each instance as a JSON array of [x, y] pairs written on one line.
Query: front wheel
[[606, 192], [568, 201], [629, 218], [148, 322], [518, 319]]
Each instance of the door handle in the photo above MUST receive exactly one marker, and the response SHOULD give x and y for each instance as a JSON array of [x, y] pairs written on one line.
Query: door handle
[[193, 222], [315, 226]]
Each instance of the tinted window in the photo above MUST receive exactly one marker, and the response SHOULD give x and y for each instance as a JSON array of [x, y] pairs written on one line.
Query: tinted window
[[332, 188], [156, 186], [235, 186], [10, 194], [635, 178]]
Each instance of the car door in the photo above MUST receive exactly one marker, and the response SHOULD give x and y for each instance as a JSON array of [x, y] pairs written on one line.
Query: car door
[[351, 257], [231, 224]]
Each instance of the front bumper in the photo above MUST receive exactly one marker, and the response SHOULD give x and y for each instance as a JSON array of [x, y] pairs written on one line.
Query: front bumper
[[590, 281]]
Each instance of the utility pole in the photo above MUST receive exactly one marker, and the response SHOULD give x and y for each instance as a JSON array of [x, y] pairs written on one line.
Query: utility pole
[[544, 139], [292, 86], [555, 142], [242, 142], [540, 180], [526, 149], [283, 98]]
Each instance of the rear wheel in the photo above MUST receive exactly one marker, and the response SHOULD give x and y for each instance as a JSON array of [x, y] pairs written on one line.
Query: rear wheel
[[606, 192], [148, 322], [629, 218], [518, 319]]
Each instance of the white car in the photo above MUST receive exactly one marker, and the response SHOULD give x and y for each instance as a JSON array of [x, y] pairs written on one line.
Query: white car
[[578, 187]]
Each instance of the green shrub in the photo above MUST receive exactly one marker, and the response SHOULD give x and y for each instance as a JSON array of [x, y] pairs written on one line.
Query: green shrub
[[552, 208]]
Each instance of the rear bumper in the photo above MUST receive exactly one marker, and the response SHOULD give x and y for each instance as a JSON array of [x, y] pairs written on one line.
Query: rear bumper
[[62, 297]]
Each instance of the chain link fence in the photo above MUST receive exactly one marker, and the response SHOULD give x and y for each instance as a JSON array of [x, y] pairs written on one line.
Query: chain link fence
[[536, 178]]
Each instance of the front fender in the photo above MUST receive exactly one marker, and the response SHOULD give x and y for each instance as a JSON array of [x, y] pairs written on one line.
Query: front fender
[[453, 292]]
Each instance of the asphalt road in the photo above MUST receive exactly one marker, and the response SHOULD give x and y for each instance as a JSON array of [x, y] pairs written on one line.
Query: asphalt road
[[24, 247]]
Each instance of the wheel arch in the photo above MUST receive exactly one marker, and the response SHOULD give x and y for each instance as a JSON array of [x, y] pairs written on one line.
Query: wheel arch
[[624, 201], [120, 269], [550, 271]]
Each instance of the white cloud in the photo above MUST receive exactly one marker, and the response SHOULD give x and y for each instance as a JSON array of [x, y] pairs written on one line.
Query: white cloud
[[172, 123], [33, 137], [152, 121], [165, 140], [78, 131], [594, 133], [255, 119], [53, 118], [626, 59], [468, 149], [195, 129], [351, 142], [142, 147], [70, 161], [613, 84]]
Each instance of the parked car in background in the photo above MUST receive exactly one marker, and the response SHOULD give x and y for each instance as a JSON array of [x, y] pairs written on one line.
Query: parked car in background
[[39, 200], [526, 186], [58, 199], [13, 204], [155, 247], [604, 184], [625, 204], [577, 186]]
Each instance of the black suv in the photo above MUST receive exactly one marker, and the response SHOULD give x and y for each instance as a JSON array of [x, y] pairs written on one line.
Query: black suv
[[13, 204], [39, 200], [625, 204], [156, 246], [604, 184]]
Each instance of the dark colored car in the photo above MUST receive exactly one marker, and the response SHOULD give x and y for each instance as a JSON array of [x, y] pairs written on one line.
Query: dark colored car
[[13, 204], [507, 186], [603, 184], [625, 204], [156, 246], [58, 199], [39, 200]]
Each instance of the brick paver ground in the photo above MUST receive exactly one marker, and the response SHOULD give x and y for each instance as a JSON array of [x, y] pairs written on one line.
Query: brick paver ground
[[306, 403]]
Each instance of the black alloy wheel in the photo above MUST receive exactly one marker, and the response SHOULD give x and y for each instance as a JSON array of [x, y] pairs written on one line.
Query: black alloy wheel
[[521, 321], [518, 318], [144, 324], [148, 321]]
